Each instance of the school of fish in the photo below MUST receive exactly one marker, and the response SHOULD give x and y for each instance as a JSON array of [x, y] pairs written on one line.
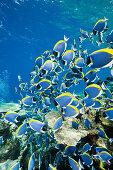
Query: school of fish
[[53, 85]]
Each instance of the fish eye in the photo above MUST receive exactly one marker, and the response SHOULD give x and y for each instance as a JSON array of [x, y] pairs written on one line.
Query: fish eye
[[38, 86], [44, 128], [55, 103], [27, 124], [55, 53], [94, 32], [18, 118], [34, 99], [63, 62], [88, 61], [43, 71], [40, 75], [85, 93]]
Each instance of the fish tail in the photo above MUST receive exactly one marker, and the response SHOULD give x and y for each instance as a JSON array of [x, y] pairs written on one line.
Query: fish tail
[[65, 38]]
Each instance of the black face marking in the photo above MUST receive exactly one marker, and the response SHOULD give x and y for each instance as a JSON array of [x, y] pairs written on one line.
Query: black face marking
[[55, 103], [85, 93], [94, 32], [85, 79], [55, 54], [88, 61], [18, 118], [44, 128], [63, 62], [34, 99], [43, 71], [38, 86]]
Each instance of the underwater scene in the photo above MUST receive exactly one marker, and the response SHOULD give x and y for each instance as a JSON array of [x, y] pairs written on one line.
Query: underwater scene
[[56, 85]]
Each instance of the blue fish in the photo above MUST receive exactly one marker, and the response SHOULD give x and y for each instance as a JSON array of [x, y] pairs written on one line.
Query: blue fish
[[39, 62], [75, 102], [33, 74], [84, 35], [74, 165], [75, 69], [32, 89], [47, 66], [46, 54], [105, 156], [58, 69], [67, 57], [79, 62], [93, 91], [71, 111], [22, 86], [87, 123], [75, 124], [100, 58], [79, 75], [47, 101], [68, 76], [86, 148], [58, 158], [43, 84], [102, 133], [15, 166], [100, 149], [100, 26], [37, 126], [109, 113], [63, 87], [64, 99], [11, 116], [109, 38], [35, 80], [87, 159], [31, 163], [57, 124], [60, 47], [90, 76], [108, 93], [55, 80], [69, 83], [88, 102], [28, 101], [21, 130], [60, 146], [1, 140], [97, 104], [69, 150]]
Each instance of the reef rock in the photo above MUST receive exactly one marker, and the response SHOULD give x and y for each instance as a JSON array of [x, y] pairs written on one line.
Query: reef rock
[[66, 134], [12, 149]]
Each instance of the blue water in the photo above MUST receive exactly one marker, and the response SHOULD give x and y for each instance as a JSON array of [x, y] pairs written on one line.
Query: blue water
[[29, 27]]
